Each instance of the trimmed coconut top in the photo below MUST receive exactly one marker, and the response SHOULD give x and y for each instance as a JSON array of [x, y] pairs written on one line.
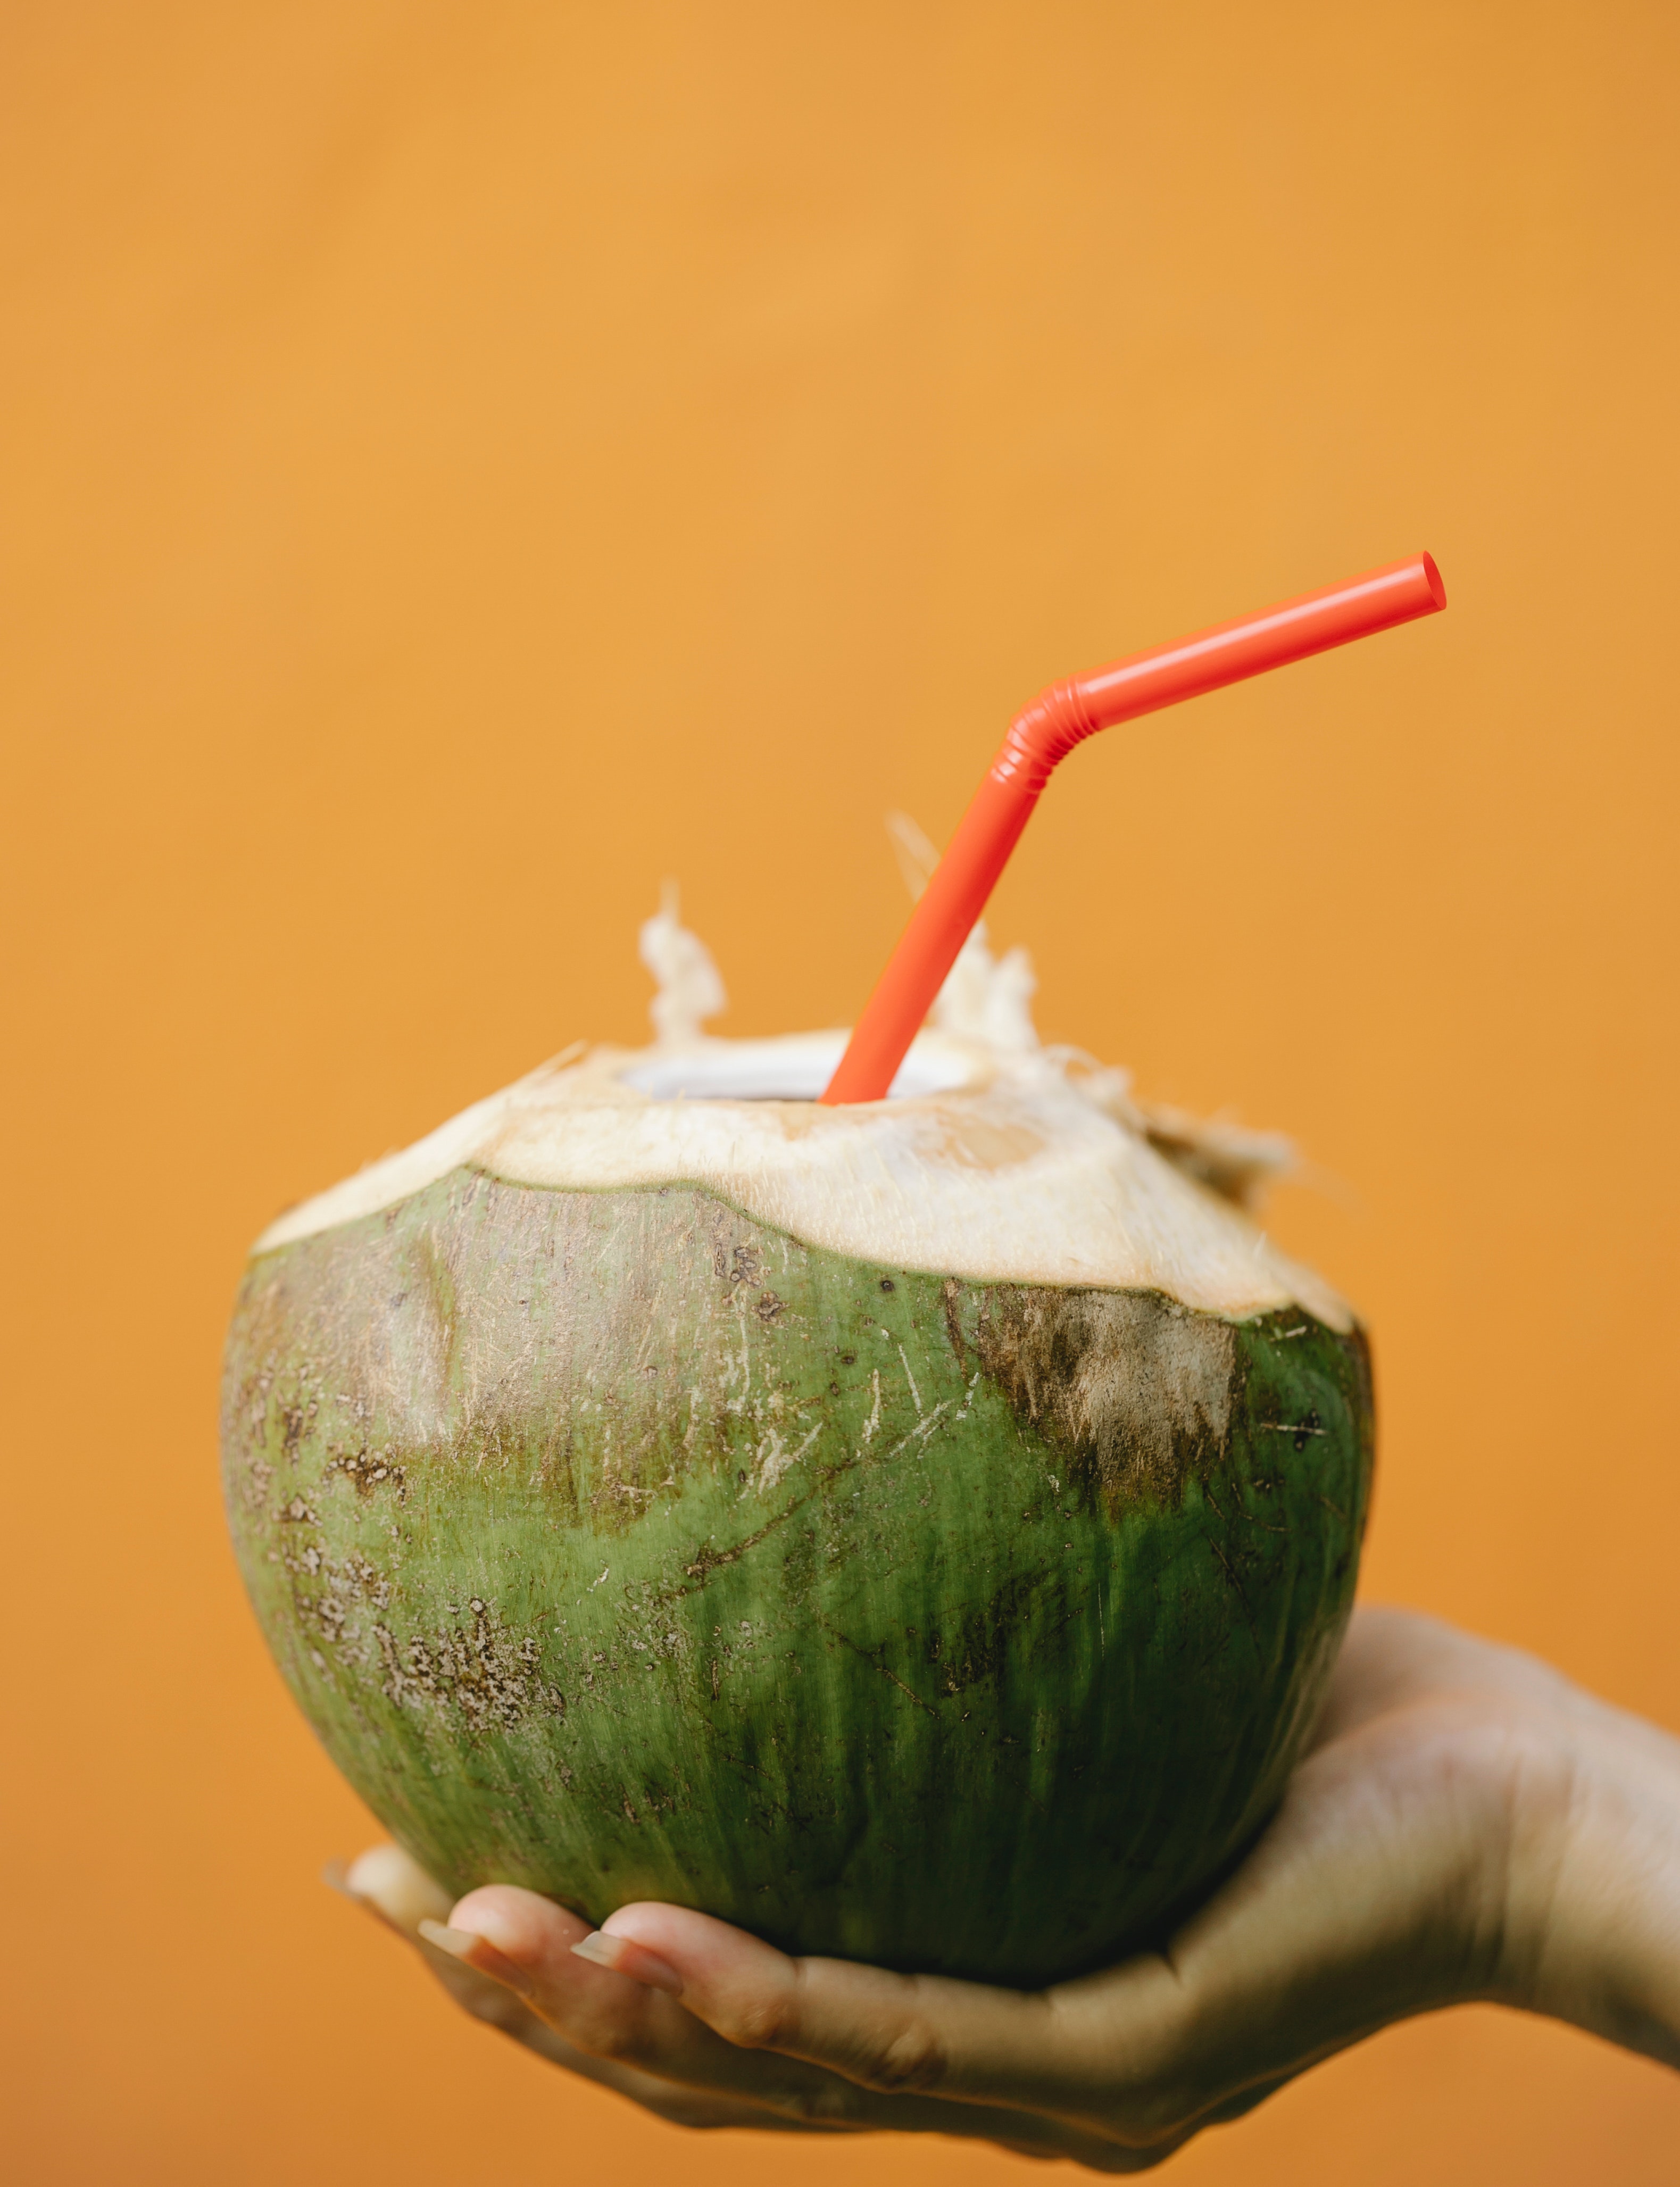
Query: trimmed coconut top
[[992, 1159]]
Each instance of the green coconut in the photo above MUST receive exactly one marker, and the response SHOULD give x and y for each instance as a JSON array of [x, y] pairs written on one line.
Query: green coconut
[[919, 1533]]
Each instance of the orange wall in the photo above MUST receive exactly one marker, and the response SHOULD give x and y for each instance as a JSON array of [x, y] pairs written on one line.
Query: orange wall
[[467, 459]]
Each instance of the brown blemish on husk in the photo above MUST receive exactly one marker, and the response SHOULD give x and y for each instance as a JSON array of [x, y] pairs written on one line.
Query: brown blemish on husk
[[472, 1667], [1134, 1388]]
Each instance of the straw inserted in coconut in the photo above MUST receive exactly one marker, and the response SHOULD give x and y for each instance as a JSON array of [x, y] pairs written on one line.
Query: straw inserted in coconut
[[1044, 733]]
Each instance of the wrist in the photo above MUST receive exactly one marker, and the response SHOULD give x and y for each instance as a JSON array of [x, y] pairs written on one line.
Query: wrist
[[1595, 1884]]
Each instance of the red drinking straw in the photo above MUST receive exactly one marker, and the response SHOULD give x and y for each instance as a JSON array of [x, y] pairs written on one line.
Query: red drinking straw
[[1046, 731]]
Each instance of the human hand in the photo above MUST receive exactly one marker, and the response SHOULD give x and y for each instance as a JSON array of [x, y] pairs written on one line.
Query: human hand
[[1466, 1825]]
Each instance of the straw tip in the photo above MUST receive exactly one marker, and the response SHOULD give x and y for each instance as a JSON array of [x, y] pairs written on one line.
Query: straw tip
[[1432, 579]]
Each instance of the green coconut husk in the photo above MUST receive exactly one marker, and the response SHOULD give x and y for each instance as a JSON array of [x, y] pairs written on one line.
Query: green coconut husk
[[921, 1533]]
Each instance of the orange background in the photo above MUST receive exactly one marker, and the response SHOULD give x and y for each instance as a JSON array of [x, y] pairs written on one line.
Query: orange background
[[466, 461]]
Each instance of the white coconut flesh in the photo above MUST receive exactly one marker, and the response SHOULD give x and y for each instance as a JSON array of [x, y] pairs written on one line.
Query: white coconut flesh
[[993, 1159]]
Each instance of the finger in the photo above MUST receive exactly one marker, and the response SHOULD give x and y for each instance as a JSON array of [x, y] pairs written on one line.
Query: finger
[[899, 2038], [393, 1886], [396, 1891], [1087, 2060], [530, 1943], [495, 1984]]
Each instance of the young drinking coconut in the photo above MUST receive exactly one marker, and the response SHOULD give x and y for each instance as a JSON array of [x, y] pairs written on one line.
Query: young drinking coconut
[[981, 1493], [655, 1484]]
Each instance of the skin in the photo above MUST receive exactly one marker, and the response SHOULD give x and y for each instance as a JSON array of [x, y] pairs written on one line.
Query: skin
[[1466, 1825]]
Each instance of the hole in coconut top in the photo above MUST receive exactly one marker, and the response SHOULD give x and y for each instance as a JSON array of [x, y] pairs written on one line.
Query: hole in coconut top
[[778, 1070]]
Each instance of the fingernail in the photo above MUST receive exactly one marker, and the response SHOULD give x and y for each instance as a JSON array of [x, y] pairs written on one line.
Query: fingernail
[[477, 1953], [457, 1942], [336, 1877], [626, 1957]]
